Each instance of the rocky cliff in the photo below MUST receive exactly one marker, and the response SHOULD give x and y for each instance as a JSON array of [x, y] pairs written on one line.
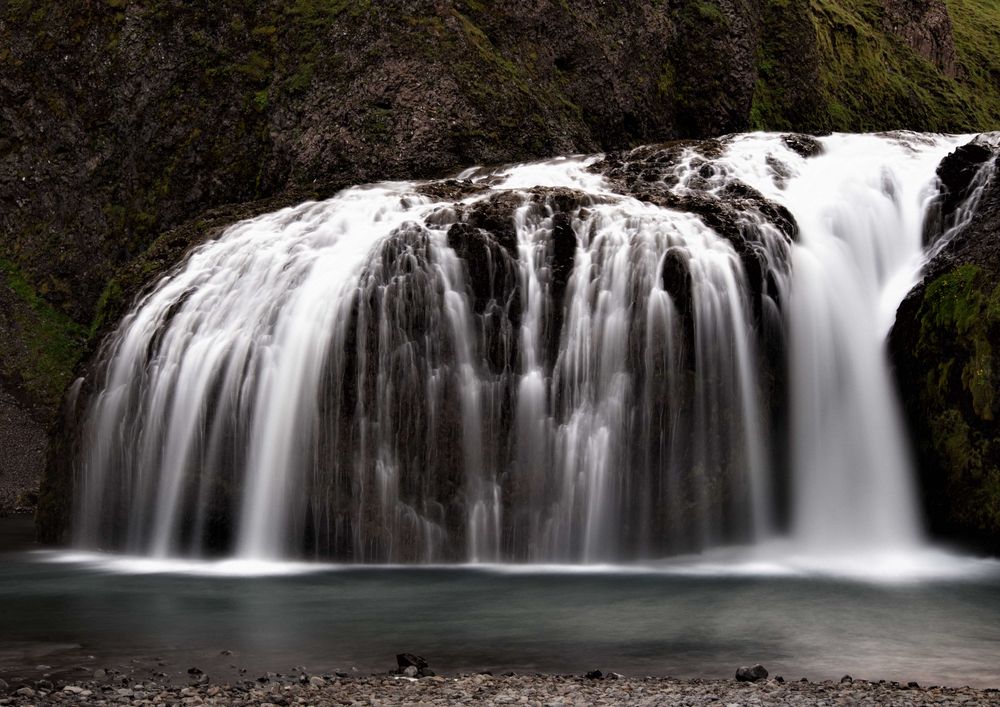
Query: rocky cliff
[[131, 129], [946, 348]]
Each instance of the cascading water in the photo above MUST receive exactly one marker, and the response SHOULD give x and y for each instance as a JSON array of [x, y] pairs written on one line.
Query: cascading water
[[587, 359]]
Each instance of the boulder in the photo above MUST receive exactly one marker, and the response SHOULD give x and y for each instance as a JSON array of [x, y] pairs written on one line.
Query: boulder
[[754, 673], [804, 145], [945, 349], [406, 660]]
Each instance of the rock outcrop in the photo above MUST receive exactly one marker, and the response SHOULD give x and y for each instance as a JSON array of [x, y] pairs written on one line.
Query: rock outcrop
[[924, 26], [946, 349]]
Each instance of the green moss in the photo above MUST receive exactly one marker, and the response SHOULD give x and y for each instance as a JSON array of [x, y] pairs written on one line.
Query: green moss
[[709, 12], [667, 80], [872, 81], [257, 68], [959, 317], [50, 342], [260, 100], [110, 301]]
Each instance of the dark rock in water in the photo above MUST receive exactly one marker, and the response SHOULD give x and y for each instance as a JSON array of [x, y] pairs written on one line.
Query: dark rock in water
[[491, 267], [804, 145], [44, 685], [195, 671], [913, 685], [425, 673], [752, 674], [451, 189], [847, 679], [594, 675], [405, 660], [3, 685], [957, 173], [496, 216], [562, 257], [563, 245], [409, 671]]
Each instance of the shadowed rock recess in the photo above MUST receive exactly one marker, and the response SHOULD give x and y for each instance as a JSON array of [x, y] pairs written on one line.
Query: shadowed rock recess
[[131, 130]]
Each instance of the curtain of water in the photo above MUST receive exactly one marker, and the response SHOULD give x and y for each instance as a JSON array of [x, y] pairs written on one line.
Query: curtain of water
[[392, 375]]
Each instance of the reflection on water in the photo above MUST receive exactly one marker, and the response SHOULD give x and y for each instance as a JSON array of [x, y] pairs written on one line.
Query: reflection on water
[[684, 619]]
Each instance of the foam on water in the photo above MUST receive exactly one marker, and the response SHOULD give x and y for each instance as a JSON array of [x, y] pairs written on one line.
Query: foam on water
[[770, 560]]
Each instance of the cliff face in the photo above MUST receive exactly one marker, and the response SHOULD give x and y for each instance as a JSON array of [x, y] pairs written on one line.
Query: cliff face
[[128, 130], [946, 349]]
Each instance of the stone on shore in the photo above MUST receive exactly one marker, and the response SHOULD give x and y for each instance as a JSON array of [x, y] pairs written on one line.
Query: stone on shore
[[388, 690], [752, 674]]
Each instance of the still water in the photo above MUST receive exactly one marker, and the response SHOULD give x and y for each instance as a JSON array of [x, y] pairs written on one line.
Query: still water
[[935, 620]]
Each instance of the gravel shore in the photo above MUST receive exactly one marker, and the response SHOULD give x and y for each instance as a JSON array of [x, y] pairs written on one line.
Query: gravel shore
[[484, 689]]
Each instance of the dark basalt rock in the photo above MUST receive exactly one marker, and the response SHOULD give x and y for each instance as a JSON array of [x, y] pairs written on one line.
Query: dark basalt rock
[[661, 163], [491, 267], [406, 660], [751, 674], [731, 216], [957, 173], [804, 145], [495, 215], [495, 286], [945, 348], [562, 254], [675, 277], [451, 189]]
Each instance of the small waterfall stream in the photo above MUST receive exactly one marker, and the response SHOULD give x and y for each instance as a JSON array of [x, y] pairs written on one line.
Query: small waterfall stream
[[583, 360]]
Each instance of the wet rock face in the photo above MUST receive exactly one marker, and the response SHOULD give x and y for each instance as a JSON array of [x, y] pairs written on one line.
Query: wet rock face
[[22, 455], [731, 208], [958, 173], [945, 346], [925, 26], [804, 145]]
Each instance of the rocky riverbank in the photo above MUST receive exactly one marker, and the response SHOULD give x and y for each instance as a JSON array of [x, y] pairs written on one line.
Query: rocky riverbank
[[485, 689]]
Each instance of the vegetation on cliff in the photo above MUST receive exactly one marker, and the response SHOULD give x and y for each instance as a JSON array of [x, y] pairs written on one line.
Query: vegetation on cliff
[[946, 349]]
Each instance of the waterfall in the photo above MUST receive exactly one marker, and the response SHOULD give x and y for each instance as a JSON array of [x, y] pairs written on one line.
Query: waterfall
[[588, 359]]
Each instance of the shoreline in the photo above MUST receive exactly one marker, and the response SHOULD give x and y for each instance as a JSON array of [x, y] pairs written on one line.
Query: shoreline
[[484, 688]]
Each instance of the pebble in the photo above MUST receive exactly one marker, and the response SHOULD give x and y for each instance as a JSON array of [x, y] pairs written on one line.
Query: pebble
[[557, 691]]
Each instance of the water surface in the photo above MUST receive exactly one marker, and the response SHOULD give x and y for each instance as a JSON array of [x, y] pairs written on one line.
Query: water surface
[[685, 619]]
